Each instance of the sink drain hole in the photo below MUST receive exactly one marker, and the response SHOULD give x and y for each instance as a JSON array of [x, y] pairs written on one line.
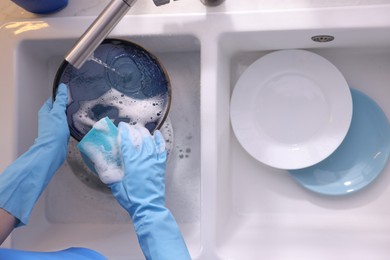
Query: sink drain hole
[[322, 38]]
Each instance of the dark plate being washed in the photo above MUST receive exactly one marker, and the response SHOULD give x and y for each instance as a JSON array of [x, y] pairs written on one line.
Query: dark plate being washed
[[122, 81]]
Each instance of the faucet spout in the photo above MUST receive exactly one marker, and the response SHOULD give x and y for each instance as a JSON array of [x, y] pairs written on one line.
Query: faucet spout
[[98, 31]]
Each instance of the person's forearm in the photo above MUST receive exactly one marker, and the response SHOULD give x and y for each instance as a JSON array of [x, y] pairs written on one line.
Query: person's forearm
[[159, 236], [7, 223]]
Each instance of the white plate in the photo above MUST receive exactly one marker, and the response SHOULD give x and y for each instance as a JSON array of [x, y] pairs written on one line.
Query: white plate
[[291, 109]]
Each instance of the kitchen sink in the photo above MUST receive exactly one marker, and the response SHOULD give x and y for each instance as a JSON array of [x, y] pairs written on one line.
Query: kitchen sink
[[268, 215], [227, 204]]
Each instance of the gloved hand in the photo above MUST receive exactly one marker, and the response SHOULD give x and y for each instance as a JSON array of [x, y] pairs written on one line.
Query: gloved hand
[[142, 193], [23, 181]]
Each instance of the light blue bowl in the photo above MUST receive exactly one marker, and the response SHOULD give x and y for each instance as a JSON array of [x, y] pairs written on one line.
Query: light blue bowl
[[359, 159]]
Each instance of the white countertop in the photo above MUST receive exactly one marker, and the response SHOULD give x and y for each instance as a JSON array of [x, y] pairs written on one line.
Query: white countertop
[[11, 11]]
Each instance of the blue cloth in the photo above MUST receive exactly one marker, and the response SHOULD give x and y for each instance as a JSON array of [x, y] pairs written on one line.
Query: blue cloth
[[23, 181], [100, 151], [74, 253]]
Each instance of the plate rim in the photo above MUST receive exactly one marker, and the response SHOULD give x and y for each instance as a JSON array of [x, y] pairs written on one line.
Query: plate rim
[[238, 109]]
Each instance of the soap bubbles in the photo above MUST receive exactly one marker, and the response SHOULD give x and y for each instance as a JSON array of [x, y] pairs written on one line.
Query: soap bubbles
[[122, 81]]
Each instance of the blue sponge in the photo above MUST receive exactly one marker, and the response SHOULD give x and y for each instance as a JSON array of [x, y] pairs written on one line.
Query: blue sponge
[[101, 153]]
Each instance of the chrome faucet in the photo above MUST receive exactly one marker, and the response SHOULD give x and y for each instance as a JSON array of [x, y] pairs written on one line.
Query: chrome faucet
[[99, 29]]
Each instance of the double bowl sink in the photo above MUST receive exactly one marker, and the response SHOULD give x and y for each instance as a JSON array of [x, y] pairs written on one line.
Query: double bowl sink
[[227, 204]]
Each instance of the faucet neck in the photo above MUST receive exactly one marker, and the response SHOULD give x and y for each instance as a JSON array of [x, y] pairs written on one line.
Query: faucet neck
[[98, 31]]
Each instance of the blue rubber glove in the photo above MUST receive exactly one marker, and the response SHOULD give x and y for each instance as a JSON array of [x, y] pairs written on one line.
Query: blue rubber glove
[[23, 181], [142, 193]]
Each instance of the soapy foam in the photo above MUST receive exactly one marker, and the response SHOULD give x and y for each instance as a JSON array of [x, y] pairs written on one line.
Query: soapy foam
[[102, 126], [130, 109], [105, 163]]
